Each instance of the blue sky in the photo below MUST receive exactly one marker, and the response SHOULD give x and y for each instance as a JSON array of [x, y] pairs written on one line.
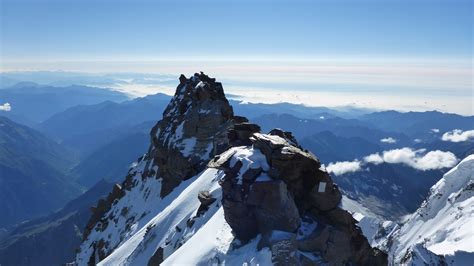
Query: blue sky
[[73, 29], [416, 51]]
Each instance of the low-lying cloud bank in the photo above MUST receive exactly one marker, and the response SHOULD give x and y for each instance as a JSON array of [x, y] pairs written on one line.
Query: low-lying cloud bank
[[5, 107], [418, 159], [458, 135]]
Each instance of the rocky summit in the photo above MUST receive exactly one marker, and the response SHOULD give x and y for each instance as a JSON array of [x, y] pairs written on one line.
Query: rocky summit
[[213, 189], [193, 128]]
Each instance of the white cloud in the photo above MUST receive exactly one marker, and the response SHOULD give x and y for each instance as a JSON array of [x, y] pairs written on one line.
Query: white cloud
[[436, 160], [458, 135], [340, 168], [388, 140], [373, 158], [417, 140], [5, 107], [435, 130], [404, 155], [417, 159]]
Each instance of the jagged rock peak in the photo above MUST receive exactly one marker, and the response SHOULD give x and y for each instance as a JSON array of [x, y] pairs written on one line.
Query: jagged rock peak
[[193, 129], [198, 88]]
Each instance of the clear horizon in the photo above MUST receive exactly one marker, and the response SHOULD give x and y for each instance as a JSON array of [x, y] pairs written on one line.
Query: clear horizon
[[403, 55]]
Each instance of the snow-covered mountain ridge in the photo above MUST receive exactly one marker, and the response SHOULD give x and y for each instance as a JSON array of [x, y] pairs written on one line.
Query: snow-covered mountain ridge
[[440, 232], [444, 223], [262, 199]]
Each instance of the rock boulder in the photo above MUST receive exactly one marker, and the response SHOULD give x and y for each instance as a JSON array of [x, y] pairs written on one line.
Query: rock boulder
[[273, 199]]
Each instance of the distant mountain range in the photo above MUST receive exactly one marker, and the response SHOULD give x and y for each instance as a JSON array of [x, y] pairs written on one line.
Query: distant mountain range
[[334, 148], [98, 124], [32, 103], [112, 160], [418, 124], [83, 135], [33, 174], [348, 128], [51, 239]]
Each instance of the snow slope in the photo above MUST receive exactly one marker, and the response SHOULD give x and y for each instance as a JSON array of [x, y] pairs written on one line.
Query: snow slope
[[165, 223], [215, 244], [169, 227], [444, 224], [127, 239]]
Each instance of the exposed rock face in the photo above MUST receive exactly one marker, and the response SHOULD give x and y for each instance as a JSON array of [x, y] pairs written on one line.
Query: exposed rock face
[[193, 129], [299, 169], [194, 125], [274, 207], [240, 133], [283, 247], [206, 200], [274, 188]]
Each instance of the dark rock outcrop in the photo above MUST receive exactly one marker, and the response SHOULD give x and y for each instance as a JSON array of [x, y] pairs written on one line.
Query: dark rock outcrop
[[274, 207], [102, 206], [157, 257], [206, 200], [241, 132], [275, 201], [299, 169], [283, 247]]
